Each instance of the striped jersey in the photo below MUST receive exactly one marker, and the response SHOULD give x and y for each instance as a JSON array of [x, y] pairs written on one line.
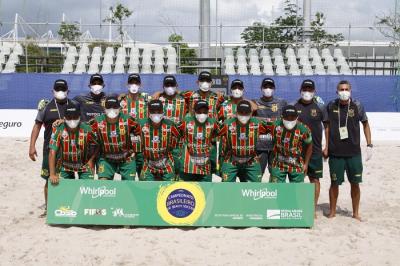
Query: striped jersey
[[158, 142], [227, 110], [288, 146], [137, 109], [114, 138], [214, 101], [73, 146], [175, 109], [241, 139], [197, 140]]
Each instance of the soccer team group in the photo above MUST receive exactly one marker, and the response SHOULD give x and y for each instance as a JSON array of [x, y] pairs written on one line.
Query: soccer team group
[[191, 135]]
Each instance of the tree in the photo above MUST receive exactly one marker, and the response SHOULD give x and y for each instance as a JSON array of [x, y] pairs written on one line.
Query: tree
[[287, 29], [389, 26], [119, 13], [69, 32], [176, 41]]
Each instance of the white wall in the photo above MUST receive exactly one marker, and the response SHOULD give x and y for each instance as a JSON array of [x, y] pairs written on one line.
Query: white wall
[[18, 123]]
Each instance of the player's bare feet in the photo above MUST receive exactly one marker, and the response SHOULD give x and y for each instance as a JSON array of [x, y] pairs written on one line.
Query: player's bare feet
[[357, 217], [315, 215], [331, 215], [43, 215]]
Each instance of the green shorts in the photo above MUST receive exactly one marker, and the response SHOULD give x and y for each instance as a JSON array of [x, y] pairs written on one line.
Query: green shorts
[[107, 169], [139, 162], [147, 175], [315, 167], [195, 177], [278, 176], [71, 175], [250, 172], [352, 165]]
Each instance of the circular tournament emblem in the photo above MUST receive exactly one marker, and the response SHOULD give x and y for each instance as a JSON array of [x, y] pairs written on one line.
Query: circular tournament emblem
[[180, 203]]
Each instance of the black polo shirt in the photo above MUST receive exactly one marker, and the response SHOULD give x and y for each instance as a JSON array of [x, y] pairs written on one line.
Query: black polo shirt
[[313, 115], [356, 113], [268, 109], [91, 106], [47, 115]]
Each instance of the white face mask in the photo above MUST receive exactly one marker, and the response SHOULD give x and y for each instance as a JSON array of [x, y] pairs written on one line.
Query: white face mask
[[72, 123], [170, 90], [289, 125], [205, 86], [243, 118], [268, 92], [96, 89], [201, 118], [112, 113], [344, 95], [237, 93], [156, 118], [133, 88], [60, 95], [307, 95]]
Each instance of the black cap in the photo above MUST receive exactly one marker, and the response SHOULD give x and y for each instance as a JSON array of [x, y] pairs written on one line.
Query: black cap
[[289, 110], [60, 85], [72, 110], [200, 104], [134, 77], [244, 107], [112, 102], [155, 105], [205, 76], [268, 82], [169, 80], [308, 83], [237, 82], [96, 77]]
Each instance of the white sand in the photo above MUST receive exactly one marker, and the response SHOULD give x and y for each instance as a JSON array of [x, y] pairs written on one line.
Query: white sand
[[27, 239]]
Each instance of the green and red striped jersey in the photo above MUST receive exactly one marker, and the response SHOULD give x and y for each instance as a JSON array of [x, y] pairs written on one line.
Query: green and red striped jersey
[[73, 146], [241, 139], [175, 109], [197, 140], [288, 146], [227, 110], [214, 101], [137, 109], [158, 142], [115, 138]]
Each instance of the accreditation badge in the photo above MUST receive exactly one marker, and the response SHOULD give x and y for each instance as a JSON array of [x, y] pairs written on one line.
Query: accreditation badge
[[344, 134]]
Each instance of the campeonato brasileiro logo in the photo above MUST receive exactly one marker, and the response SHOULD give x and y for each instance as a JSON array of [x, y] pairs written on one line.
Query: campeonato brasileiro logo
[[180, 203]]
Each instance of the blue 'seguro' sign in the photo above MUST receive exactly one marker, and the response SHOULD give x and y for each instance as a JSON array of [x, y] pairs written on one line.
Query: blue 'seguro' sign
[[181, 204]]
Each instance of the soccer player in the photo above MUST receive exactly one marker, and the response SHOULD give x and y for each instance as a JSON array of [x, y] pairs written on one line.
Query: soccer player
[[92, 104], [48, 113], [175, 109], [159, 138], [241, 134], [197, 131], [269, 108], [113, 131], [134, 104], [72, 137], [228, 107], [313, 114], [345, 115], [290, 137]]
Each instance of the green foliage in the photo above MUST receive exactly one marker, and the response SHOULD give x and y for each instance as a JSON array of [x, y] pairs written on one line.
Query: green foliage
[[176, 41], [69, 33], [119, 13]]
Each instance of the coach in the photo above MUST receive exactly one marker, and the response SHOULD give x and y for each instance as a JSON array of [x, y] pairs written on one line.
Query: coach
[[345, 115]]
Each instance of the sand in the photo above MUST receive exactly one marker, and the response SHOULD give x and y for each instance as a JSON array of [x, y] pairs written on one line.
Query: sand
[[25, 239]]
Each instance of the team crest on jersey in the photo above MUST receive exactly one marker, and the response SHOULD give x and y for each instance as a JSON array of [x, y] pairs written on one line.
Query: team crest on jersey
[[232, 129], [113, 133], [73, 142], [351, 112], [170, 106], [102, 126], [313, 112], [145, 130], [64, 135], [278, 129], [123, 104], [242, 136], [286, 140], [199, 136], [274, 107], [156, 139]]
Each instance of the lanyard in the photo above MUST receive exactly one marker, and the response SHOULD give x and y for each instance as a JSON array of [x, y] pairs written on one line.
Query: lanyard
[[58, 111], [347, 114]]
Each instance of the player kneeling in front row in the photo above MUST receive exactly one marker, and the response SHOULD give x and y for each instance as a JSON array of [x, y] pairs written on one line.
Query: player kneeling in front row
[[241, 134], [290, 137], [113, 130], [73, 138], [159, 138]]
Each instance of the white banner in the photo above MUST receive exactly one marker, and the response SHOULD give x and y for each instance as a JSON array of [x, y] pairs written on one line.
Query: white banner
[[19, 123]]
